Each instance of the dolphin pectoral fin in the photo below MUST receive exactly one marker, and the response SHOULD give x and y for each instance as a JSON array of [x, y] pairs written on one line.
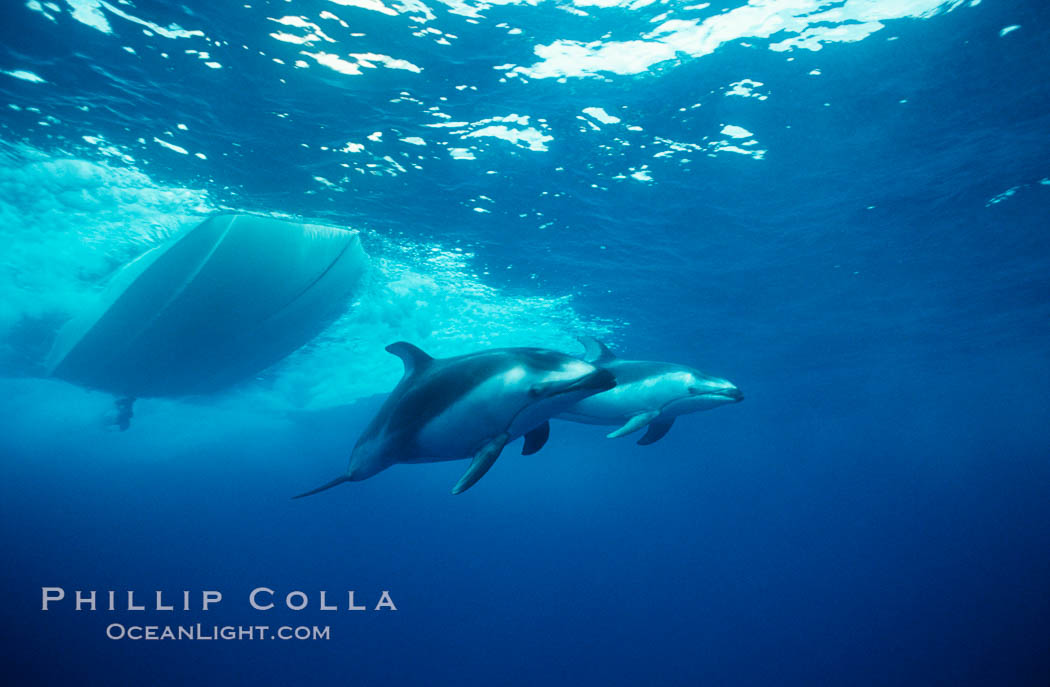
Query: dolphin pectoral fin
[[634, 424], [535, 439], [657, 429], [483, 460]]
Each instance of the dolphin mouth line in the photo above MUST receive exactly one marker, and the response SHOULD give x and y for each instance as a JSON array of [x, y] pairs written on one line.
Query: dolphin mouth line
[[731, 394]]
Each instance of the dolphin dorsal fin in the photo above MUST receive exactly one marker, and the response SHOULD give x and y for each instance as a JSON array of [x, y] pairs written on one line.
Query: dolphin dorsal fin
[[413, 357], [595, 351]]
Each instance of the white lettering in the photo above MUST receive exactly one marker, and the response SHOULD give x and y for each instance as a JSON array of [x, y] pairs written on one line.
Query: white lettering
[[48, 595], [300, 595], [255, 605], [160, 603], [386, 601], [81, 599], [133, 607], [209, 598]]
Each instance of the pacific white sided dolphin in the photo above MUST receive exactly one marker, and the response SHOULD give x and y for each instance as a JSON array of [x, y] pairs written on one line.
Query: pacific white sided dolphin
[[647, 393], [469, 406]]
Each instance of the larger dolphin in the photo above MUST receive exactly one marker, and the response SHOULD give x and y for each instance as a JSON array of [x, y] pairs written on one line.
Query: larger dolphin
[[647, 393], [469, 406]]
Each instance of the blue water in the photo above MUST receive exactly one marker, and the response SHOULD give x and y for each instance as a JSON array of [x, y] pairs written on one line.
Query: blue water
[[840, 206]]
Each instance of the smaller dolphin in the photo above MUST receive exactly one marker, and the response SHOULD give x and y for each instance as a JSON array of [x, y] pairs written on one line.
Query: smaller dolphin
[[647, 393], [470, 406]]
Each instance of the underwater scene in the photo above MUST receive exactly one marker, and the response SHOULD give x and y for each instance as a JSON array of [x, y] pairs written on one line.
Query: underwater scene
[[525, 342]]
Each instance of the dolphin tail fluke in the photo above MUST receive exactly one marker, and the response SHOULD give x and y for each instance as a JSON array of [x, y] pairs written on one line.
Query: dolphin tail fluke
[[481, 463], [334, 483]]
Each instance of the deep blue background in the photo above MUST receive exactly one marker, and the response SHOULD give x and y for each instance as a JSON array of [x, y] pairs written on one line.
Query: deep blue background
[[876, 512]]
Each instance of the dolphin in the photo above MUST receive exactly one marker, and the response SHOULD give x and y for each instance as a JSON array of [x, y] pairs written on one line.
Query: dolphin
[[647, 393], [469, 406]]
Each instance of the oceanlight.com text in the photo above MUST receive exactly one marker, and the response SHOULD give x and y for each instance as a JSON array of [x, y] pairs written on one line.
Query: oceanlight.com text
[[199, 632]]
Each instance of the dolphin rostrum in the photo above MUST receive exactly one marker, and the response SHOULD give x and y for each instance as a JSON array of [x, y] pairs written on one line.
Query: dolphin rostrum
[[469, 406], [647, 393]]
